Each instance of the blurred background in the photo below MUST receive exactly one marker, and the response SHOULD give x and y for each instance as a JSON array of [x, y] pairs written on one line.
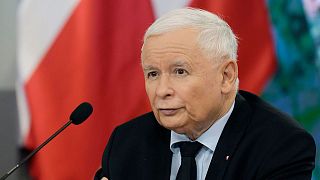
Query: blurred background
[[57, 54]]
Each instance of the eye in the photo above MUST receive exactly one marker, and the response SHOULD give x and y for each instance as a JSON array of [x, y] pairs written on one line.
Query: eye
[[180, 72], [152, 74]]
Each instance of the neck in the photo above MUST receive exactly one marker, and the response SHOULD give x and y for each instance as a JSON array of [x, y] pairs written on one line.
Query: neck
[[200, 129]]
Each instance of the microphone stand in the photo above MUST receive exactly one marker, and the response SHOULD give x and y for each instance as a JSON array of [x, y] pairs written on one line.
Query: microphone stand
[[36, 150]]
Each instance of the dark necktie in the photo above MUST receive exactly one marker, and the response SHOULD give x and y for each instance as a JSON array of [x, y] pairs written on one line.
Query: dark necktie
[[188, 167]]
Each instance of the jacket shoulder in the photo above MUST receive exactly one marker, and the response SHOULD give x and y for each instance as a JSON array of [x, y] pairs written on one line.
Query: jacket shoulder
[[272, 142], [140, 123], [267, 115]]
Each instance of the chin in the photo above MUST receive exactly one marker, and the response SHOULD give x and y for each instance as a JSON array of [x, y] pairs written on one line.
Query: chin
[[174, 126]]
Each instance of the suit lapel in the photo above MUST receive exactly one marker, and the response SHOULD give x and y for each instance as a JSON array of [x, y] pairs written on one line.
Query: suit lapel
[[229, 139]]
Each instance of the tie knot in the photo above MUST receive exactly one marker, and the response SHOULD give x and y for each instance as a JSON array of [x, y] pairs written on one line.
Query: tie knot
[[189, 149]]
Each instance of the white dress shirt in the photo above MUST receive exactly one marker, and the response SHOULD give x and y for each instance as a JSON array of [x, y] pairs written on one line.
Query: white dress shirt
[[208, 139]]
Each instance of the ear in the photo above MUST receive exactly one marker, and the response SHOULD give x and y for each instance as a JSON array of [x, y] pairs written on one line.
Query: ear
[[230, 75]]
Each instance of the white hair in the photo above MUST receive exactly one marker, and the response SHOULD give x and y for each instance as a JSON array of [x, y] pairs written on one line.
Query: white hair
[[216, 39]]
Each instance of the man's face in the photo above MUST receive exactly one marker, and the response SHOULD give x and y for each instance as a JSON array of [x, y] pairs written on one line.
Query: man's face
[[183, 86]]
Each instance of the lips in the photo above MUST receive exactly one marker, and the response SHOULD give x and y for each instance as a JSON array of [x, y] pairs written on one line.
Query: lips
[[168, 111]]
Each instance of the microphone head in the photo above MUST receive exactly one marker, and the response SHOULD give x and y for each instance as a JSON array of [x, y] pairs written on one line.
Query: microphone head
[[81, 113]]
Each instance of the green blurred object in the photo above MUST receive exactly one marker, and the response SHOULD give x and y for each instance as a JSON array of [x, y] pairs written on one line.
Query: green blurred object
[[295, 87]]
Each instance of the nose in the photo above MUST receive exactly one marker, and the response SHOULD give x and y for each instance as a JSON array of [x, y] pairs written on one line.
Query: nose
[[164, 88]]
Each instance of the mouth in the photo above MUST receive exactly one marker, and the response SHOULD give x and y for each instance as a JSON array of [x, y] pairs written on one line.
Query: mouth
[[168, 111]]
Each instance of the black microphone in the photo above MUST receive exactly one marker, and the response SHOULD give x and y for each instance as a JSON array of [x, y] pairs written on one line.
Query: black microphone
[[80, 114]]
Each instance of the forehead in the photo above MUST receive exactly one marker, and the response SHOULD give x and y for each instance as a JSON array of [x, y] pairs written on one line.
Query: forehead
[[183, 41]]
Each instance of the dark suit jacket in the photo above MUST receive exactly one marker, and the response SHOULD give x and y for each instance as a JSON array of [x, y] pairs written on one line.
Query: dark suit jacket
[[261, 142]]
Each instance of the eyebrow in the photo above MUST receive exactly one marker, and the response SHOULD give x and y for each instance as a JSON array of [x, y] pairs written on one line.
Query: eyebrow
[[148, 67], [176, 63], [180, 63]]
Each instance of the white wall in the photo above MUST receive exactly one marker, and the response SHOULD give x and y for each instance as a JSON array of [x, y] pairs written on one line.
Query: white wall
[[8, 44], [8, 108]]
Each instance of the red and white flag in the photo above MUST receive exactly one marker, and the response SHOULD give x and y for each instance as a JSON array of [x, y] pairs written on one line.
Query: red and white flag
[[70, 51]]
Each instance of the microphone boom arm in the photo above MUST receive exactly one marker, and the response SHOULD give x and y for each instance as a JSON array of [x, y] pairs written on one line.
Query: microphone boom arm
[[36, 150]]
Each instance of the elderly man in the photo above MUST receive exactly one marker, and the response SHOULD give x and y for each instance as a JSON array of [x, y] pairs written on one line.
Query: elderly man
[[200, 126]]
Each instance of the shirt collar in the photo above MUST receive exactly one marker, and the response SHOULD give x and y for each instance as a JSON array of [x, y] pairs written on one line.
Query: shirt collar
[[209, 138]]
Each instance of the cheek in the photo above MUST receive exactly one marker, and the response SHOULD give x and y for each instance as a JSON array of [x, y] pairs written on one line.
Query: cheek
[[150, 91], [192, 95], [200, 98], [195, 90]]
